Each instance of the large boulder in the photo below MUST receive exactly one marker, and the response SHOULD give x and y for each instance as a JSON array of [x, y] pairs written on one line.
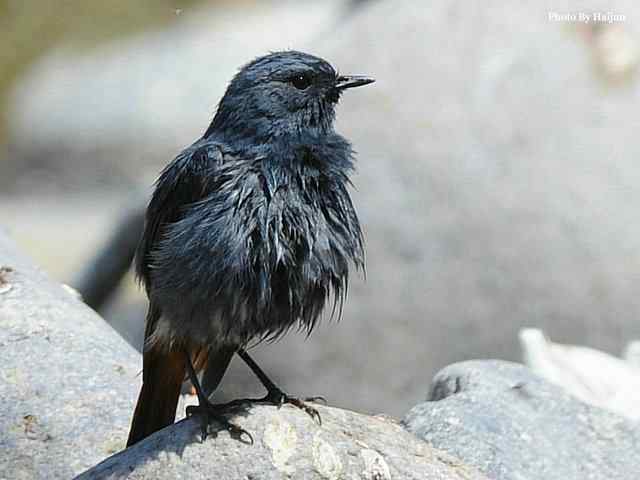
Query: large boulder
[[286, 444], [512, 425], [68, 380]]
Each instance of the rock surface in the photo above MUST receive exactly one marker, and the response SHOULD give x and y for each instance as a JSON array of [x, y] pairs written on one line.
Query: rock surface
[[512, 425], [67, 380], [287, 444]]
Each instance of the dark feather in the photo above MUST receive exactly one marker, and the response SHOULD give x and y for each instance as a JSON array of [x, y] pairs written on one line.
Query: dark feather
[[250, 231]]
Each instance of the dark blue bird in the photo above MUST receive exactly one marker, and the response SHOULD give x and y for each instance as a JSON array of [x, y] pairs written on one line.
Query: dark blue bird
[[250, 231]]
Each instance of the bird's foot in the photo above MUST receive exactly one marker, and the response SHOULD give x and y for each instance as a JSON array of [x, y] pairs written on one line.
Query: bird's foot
[[210, 413], [278, 397], [274, 395]]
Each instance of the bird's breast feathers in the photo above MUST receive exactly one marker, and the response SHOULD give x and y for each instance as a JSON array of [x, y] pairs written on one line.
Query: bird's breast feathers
[[267, 245]]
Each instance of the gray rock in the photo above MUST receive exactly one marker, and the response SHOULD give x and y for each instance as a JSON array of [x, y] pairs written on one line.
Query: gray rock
[[287, 444], [512, 425], [67, 380]]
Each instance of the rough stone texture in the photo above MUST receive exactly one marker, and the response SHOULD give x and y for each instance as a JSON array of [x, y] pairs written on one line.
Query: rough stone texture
[[512, 425], [67, 380], [287, 444], [498, 181]]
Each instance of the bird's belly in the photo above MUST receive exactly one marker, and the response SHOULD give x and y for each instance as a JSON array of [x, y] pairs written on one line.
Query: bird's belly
[[236, 308], [235, 275]]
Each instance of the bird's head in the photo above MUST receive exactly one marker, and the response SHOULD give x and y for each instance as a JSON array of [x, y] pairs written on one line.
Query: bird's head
[[283, 93]]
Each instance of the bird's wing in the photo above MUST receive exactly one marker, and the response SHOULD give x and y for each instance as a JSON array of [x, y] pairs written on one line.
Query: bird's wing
[[184, 181]]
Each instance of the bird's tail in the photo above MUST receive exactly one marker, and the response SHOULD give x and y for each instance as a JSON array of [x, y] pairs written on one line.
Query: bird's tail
[[158, 399], [162, 378], [162, 375]]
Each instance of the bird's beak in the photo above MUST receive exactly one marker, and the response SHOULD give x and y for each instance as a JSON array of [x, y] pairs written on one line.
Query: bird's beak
[[349, 81]]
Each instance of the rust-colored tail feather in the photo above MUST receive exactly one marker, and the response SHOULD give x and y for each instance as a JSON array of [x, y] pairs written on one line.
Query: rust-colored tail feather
[[163, 375]]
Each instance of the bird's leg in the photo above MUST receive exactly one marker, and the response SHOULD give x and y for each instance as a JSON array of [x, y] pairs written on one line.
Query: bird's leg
[[274, 394], [209, 411]]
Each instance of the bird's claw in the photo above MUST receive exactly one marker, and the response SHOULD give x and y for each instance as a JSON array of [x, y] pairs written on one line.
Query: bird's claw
[[210, 413], [280, 398], [313, 413], [238, 433]]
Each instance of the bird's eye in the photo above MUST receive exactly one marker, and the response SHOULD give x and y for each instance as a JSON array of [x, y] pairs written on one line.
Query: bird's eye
[[301, 81]]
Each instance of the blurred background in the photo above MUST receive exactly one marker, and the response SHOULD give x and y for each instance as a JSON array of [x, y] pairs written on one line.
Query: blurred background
[[498, 178]]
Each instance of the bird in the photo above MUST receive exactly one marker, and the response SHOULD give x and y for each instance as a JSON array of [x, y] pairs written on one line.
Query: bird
[[250, 232]]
